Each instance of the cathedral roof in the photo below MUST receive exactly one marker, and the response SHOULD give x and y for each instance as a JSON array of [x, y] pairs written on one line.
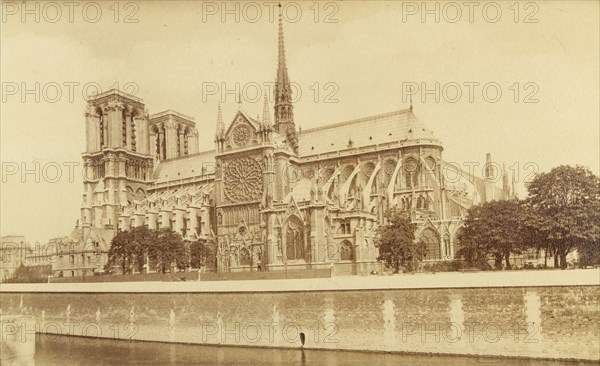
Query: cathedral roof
[[195, 165], [380, 129]]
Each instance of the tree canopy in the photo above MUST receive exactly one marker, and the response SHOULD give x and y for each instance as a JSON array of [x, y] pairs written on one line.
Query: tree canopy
[[133, 249], [564, 211], [396, 242], [492, 228], [560, 214]]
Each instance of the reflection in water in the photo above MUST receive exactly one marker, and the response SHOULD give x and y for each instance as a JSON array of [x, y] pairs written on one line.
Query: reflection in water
[[52, 350]]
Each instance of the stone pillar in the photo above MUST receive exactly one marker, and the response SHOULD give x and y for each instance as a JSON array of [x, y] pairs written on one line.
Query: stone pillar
[[141, 138], [179, 217], [152, 145], [124, 223], [165, 219], [114, 120], [171, 139], [151, 219], [192, 213], [193, 142], [181, 151], [90, 133], [162, 140], [139, 219]]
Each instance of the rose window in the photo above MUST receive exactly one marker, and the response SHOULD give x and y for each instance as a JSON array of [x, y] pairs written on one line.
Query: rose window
[[241, 135], [243, 180]]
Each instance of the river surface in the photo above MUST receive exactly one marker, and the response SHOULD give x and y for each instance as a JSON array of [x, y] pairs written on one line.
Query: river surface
[[71, 351]]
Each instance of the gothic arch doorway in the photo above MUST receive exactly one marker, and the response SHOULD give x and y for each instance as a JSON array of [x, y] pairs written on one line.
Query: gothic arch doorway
[[294, 239], [346, 251], [432, 244]]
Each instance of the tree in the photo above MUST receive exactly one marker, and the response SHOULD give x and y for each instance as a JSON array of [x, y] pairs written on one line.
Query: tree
[[492, 228], [167, 250], [120, 252], [565, 210], [202, 254], [396, 242], [141, 239], [25, 274]]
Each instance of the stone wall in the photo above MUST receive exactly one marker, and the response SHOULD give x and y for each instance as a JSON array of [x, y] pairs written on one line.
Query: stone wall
[[538, 322]]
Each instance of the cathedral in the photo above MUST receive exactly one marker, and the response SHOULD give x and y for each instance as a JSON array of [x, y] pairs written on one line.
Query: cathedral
[[267, 195]]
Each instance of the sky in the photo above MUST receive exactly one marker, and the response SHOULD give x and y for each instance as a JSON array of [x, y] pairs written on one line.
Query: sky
[[346, 59]]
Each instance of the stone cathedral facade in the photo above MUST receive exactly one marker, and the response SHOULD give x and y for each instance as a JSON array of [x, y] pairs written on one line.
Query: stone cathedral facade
[[269, 196]]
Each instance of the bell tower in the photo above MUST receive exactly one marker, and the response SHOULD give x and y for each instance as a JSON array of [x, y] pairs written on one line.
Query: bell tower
[[117, 161]]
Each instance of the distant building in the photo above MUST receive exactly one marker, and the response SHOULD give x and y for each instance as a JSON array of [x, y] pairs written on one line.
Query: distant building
[[13, 251], [79, 256], [268, 195]]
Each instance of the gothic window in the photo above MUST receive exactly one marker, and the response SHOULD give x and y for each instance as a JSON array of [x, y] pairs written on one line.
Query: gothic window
[[245, 257], [163, 145], [185, 142], [447, 245], [294, 239], [346, 251], [178, 143], [158, 145], [133, 146], [243, 180], [345, 228], [220, 218], [411, 168], [241, 135], [184, 228], [124, 128], [102, 136], [388, 169], [199, 223], [139, 194], [431, 241], [365, 173]]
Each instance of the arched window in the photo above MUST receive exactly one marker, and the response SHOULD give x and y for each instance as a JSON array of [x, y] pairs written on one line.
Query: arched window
[[346, 251], [134, 114], [245, 258], [103, 128], [447, 245], [158, 145], [185, 142], [294, 239], [124, 116], [431, 241]]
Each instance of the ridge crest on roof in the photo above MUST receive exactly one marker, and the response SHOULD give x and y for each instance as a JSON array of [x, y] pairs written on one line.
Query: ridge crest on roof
[[358, 120]]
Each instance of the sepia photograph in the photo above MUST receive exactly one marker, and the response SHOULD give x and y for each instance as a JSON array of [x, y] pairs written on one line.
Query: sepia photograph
[[300, 182]]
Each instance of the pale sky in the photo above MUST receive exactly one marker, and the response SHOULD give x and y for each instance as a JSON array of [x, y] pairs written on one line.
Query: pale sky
[[172, 54]]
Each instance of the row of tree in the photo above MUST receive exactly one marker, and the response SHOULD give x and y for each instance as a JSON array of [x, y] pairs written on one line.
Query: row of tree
[[560, 214], [163, 250]]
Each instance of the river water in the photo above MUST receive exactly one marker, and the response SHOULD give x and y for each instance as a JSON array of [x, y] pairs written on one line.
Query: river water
[[71, 351]]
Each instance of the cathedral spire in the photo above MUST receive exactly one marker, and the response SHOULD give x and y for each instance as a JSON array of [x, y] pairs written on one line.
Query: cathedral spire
[[266, 118], [220, 125], [284, 111]]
